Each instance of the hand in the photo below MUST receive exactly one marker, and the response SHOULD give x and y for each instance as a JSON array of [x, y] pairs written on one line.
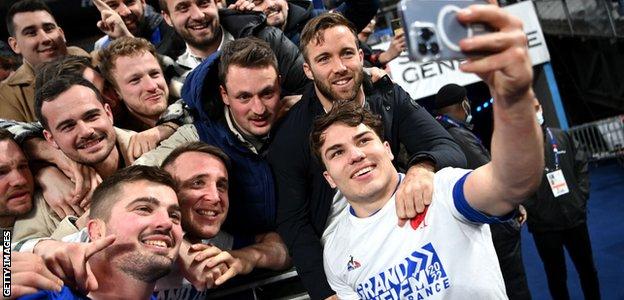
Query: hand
[[58, 192], [522, 215], [142, 142], [193, 261], [375, 73], [507, 69], [242, 5], [397, 46], [69, 261], [332, 297], [30, 274], [84, 178], [415, 192], [111, 23]]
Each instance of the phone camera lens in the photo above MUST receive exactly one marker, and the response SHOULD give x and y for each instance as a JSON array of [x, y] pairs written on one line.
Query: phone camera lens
[[422, 48], [426, 34], [434, 47]]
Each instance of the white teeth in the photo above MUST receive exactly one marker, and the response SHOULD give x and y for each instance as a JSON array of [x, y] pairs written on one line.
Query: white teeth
[[363, 171], [208, 213], [160, 244], [341, 82]]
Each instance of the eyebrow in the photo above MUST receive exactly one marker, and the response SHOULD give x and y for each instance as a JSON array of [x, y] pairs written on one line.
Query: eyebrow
[[355, 138], [84, 115], [151, 200]]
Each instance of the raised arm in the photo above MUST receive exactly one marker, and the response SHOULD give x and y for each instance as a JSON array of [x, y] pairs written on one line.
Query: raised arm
[[517, 151]]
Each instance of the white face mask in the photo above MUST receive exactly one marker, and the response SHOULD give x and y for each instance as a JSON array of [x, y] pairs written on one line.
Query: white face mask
[[466, 107], [540, 117]]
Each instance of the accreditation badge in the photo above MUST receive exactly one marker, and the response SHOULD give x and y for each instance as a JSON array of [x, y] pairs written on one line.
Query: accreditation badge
[[557, 183]]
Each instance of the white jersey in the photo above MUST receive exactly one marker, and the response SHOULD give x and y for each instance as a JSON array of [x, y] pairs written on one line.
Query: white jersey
[[445, 257]]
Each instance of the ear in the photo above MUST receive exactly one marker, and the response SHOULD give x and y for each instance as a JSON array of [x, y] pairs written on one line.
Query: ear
[[361, 53], [224, 95], [62, 34], [308, 71], [167, 18], [329, 179], [108, 111], [96, 229], [48, 136], [388, 150], [14, 46]]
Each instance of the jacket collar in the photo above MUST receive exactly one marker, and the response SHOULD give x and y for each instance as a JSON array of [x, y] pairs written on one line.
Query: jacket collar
[[24, 75], [299, 12]]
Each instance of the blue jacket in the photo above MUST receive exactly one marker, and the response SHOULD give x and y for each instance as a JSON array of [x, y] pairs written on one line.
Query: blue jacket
[[251, 186]]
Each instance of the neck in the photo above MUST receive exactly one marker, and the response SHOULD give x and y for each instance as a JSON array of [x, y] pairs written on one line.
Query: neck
[[115, 284], [7, 221], [204, 52], [108, 166], [328, 104], [367, 206]]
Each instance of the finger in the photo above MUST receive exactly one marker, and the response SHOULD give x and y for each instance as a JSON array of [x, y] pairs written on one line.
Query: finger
[[199, 247], [222, 257], [210, 252], [37, 281], [231, 272], [36, 266], [489, 14], [80, 272], [493, 42], [58, 210], [78, 211], [67, 210], [494, 62], [101, 5], [402, 222], [400, 209], [99, 245], [21, 290], [92, 283]]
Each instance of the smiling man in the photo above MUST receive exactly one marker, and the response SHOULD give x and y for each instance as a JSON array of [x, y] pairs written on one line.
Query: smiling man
[[135, 233], [35, 35]]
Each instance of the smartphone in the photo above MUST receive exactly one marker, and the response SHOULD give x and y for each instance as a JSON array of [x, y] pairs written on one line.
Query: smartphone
[[433, 31], [397, 27]]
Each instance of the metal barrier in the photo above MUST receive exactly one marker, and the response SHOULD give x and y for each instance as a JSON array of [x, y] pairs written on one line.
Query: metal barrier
[[601, 140]]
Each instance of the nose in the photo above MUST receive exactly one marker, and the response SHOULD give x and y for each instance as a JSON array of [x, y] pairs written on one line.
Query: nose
[[356, 154], [211, 193], [123, 10], [19, 177], [257, 106], [84, 130], [163, 220], [45, 37], [196, 13], [339, 66], [150, 84]]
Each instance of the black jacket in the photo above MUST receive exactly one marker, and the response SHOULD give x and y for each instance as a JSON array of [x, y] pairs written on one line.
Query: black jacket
[[471, 146], [305, 198], [544, 211], [289, 59]]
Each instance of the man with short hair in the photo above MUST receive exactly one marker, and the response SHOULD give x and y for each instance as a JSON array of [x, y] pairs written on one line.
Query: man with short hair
[[16, 181], [35, 35], [135, 233], [205, 29], [77, 122], [201, 172], [306, 203]]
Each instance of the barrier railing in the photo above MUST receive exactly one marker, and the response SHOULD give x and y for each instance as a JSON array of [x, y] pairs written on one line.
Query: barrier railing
[[601, 140]]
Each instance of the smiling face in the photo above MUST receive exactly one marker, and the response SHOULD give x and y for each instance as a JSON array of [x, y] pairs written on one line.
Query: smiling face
[[37, 37], [253, 97], [276, 11], [131, 12], [79, 125], [141, 85], [16, 182], [358, 163], [203, 182], [146, 220], [335, 65], [196, 21]]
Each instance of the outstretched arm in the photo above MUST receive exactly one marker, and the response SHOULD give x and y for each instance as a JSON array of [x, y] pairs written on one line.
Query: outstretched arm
[[517, 151]]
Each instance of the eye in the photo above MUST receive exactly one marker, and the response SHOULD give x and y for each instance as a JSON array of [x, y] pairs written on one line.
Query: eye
[[155, 74], [336, 154], [203, 3], [23, 166], [113, 5], [183, 7], [67, 128], [323, 59], [143, 209], [30, 33], [134, 81], [364, 141], [197, 183], [49, 27], [222, 186], [176, 217]]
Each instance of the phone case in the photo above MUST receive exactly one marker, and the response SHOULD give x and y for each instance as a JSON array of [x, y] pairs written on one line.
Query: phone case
[[432, 29]]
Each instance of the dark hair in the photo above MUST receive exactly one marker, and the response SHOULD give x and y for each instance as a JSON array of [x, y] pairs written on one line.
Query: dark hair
[[50, 90], [165, 8], [6, 135], [62, 66], [350, 113], [21, 7], [105, 195], [124, 46], [248, 52], [314, 29], [196, 147]]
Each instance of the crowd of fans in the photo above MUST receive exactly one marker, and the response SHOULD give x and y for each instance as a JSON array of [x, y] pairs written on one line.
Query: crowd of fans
[[213, 138]]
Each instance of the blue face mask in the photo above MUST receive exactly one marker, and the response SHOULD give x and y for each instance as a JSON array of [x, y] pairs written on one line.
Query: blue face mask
[[540, 117]]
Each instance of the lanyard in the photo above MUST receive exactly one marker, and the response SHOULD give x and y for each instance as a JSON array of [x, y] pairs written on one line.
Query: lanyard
[[446, 119], [553, 144]]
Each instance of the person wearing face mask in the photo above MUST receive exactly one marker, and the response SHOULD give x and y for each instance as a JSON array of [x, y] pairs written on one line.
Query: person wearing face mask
[[558, 213], [453, 107]]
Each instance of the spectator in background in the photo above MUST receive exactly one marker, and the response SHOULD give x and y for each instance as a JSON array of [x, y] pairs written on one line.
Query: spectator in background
[[9, 62], [35, 35], [453, 108], [379, 58], [557, 213], [16, 181]]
